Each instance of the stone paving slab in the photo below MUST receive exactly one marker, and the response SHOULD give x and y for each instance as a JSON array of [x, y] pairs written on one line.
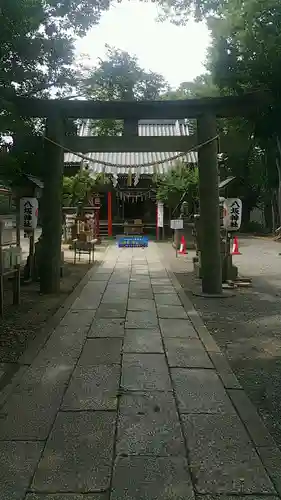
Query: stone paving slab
[[121, 280], [140, 294], [140, 274], [148, 424], [77, 319], [141, 305], [114, 297], [113, 288], [140, 285], [17, 463], [161, 281], [235, 497], [105, 277], [83, 305], [67, 496], [101, 351], [171, 312], [165, 299], [30, 412], [108, 269], [200, 391], [90, 296], [43, 385], [222, 457], [115, 293], [112, 327], [147, 478], [112, 310], [141, 319], [141, 280], [163, 289], [93, 388], [145, 341], [78, 454], [186, 353], [145, 372], [154, 274], [177, 328]]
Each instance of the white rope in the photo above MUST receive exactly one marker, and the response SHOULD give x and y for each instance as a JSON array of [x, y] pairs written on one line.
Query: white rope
[[141, 165]]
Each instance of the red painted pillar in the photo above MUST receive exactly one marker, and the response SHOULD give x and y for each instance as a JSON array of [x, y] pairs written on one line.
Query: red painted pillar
[[109, 212]]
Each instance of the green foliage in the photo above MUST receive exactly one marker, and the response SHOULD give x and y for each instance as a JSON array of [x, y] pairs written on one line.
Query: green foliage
[[120, 77], [37, 50], [180, 11], [36, 56], [245, 57], [201, 86], [178, 185], [81, 187]]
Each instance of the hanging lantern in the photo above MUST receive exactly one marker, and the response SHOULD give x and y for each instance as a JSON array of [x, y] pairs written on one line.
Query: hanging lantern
[[129, 178], [137, 177], [155, 172]]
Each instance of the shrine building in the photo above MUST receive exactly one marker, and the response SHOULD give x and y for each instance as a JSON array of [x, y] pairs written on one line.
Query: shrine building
[[132, 195]]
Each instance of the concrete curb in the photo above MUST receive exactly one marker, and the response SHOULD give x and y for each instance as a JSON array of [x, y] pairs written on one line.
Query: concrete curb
[[264, 444]]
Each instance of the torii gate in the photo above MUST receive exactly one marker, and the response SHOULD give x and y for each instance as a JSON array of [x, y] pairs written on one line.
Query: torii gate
[[205, 110]]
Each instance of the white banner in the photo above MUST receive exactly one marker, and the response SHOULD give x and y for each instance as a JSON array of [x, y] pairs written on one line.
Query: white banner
[[160, 214], [28, 213], [232, 214]]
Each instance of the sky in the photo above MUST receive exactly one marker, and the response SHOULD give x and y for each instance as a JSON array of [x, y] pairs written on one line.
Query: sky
[[176, 52]]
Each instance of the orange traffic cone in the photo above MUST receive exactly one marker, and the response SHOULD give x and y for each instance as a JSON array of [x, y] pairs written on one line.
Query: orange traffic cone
[[182, 249], [235, 248]]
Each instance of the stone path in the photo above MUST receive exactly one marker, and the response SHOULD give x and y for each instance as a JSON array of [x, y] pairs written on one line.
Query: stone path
[[131, 399]]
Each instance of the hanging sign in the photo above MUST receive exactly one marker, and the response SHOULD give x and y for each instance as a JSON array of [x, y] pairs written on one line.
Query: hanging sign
[[232, 214], [160, 214], [28, 213], [176, 224]]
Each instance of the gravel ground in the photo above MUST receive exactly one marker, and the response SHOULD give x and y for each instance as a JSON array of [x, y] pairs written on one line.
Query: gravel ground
[[247, 327], [20, 324]]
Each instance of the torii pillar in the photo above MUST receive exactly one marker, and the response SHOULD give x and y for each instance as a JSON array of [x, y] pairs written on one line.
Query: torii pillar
[[209, 206], [50, 255]]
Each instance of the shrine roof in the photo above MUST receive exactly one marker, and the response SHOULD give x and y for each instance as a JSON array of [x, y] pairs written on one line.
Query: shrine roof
[[126, 160]]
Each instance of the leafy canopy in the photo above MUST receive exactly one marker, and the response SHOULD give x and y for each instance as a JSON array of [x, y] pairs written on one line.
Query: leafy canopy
[[81, 187], [179, 184], [117, 77]]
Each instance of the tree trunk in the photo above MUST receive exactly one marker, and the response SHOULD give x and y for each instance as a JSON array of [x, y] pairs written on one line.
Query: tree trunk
[[278, 166], [50, 258]]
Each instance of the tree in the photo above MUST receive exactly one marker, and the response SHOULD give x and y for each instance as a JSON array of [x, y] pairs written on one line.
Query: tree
[[245, 56], [81, 187], [36, 56], [201, 86], [119, 77], [178, 185], [241, 155], [36, 42], [180, 11], [37, 51]]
